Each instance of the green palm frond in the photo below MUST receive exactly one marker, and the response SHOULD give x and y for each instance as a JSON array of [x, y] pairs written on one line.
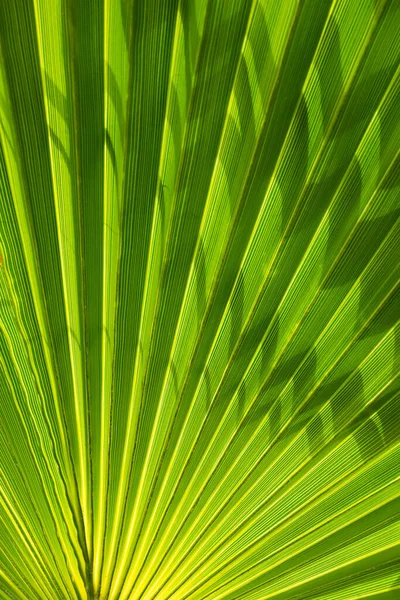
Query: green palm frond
[[199, 299]]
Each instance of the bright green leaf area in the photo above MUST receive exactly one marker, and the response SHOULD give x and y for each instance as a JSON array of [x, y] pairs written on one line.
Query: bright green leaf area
[[199, 299]]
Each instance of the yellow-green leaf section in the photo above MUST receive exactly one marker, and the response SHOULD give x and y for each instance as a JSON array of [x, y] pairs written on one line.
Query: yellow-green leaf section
[[199, 300]]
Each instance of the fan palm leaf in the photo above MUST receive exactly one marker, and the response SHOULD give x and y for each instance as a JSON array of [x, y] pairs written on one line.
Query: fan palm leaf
[[199, 299]]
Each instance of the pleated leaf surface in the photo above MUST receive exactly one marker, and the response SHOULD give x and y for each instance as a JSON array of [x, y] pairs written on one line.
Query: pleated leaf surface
[[199, 299]]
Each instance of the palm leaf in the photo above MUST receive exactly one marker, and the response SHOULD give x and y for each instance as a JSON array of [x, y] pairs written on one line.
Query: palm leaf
[[199, 292]]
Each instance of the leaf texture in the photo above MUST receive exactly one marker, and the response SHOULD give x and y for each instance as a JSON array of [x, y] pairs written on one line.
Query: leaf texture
[[199, 300]]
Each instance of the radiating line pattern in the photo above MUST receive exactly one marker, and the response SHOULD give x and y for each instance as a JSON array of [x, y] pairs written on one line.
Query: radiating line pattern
[[199, 300]]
